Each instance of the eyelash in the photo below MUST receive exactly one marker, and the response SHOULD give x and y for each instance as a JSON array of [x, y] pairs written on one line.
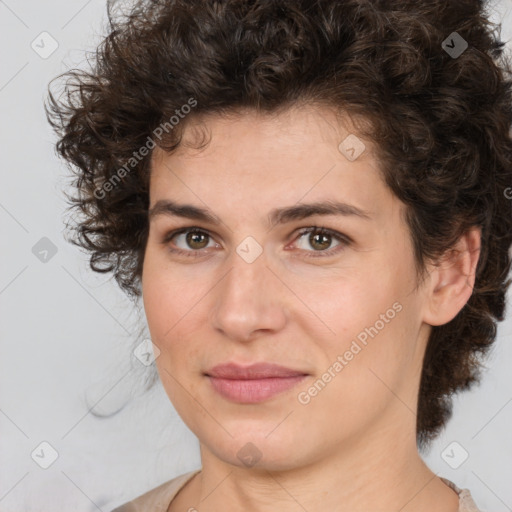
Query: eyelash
[[343, 239]]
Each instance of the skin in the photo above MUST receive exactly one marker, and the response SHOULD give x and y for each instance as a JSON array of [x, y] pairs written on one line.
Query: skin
[[352, 447]]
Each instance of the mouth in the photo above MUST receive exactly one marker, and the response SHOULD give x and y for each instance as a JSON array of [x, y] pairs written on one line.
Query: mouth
[[253, 384], [252, 391]]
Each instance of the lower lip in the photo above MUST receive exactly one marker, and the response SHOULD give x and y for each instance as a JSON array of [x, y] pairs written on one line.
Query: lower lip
[[251, 391]]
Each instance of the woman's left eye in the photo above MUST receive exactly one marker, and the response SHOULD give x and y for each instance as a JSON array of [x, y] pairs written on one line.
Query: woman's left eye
[[194, 240], [321, 240]]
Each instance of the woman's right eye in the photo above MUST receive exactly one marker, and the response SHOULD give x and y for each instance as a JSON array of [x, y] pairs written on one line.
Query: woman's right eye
[[188, 240]]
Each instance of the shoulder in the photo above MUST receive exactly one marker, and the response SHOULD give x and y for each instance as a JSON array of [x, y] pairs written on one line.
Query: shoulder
[[158, 498], [466, 503]]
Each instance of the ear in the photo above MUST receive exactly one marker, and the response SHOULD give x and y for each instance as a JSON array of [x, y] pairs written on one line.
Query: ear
[[452, 279]]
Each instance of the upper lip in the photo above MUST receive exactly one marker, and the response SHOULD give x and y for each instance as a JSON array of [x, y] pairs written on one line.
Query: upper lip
[[254, 371]]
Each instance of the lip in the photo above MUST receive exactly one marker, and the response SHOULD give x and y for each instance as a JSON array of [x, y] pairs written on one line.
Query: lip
[[254, 371], [254, 383]]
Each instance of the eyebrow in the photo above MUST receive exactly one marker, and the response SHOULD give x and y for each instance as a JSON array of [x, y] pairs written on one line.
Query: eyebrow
[[276, 216]]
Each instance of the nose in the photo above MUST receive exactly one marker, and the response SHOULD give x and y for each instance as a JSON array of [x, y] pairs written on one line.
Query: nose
[[249, 300]]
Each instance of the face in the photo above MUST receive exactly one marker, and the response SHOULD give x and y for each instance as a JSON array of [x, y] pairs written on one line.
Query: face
[[250, 274]]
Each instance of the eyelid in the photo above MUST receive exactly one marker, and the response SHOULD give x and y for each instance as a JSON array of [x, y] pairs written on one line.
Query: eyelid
[[171, 234], [320, 229]]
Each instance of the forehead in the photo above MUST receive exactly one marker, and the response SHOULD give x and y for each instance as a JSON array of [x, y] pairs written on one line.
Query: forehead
[[312, 138], [293, 126], [256, 162]]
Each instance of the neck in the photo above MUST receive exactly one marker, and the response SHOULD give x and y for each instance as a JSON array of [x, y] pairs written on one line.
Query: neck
[[380, 471]]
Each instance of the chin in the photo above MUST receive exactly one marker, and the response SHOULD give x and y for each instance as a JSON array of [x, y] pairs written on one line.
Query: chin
[[259, 451]]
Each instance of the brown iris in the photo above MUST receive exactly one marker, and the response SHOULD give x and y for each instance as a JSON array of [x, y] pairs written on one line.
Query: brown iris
[[320, 240], [197, 240]]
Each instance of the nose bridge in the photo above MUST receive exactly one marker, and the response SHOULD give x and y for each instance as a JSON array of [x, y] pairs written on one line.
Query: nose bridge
[[249, 272], [247, 298]]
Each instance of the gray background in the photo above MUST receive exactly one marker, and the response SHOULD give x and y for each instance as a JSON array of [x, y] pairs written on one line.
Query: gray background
[[67, 334]]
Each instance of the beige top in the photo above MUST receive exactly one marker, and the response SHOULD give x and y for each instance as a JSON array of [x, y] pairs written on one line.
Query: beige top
[[159, 498]]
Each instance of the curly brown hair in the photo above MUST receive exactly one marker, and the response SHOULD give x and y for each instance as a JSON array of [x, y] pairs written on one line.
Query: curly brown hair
[[439, 113]]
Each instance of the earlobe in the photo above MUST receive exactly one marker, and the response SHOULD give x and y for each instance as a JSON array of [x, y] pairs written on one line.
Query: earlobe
[[452, 279]]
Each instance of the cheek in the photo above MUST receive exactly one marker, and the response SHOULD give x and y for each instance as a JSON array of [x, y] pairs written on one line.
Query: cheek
[[369, 318], [168, 295], [170, 311], [175, 309], [360, 380], [342, 304]]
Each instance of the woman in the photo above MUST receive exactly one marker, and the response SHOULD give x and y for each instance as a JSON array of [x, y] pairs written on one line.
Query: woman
[[313, 201]]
